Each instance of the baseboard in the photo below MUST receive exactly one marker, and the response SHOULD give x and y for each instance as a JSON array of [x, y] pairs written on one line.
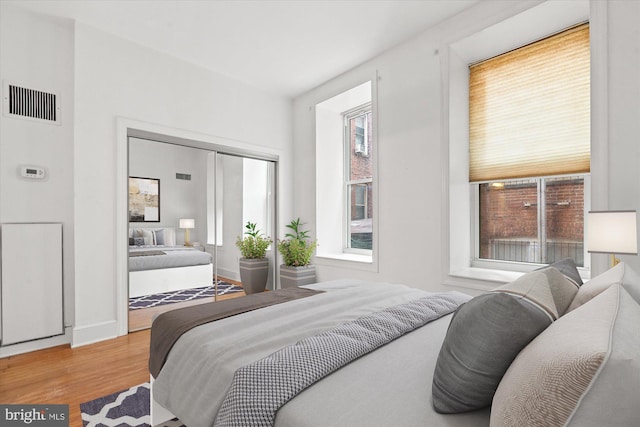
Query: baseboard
[[90, 334], [229, 274], [26, 347]]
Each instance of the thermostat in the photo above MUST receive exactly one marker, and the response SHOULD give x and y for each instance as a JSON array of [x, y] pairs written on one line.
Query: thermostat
[[32, 172]]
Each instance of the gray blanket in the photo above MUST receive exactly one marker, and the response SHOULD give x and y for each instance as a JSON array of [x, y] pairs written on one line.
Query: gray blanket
[[259, 389], [168, 327], [199, 369]]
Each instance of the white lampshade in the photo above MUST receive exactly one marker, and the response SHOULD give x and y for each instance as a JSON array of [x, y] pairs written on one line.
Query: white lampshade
[[612, 232], [187, 223]]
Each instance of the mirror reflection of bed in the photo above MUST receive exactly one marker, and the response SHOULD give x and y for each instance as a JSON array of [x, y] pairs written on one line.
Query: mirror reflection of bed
[[164, 276], [214, 195]]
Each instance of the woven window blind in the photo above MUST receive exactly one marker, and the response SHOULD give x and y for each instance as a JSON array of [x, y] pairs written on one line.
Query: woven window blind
[[530, 110]]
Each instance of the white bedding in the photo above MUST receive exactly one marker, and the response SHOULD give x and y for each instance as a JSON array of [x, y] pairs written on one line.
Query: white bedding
[[180, 268], [171, 257], [195, 398]]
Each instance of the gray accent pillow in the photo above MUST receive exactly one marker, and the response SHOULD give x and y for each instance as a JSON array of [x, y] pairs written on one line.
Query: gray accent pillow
[[568, 267], [484, 337], [556, 295], [138, 241], [158, 237]]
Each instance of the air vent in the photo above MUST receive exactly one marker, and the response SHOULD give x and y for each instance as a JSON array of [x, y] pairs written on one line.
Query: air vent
[[32, 104], [185, 176]]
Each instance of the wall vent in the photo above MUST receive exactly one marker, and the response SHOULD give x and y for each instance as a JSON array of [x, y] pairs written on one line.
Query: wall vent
[[185, 176], [31, 104]]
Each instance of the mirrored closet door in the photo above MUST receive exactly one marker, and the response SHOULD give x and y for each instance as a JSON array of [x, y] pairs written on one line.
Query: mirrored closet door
[[189, 203]]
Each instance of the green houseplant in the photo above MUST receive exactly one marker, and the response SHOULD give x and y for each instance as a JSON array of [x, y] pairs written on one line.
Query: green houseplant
[[296, 250], [254, 265]]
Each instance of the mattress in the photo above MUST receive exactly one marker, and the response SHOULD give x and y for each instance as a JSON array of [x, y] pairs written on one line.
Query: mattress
[[148, 257]]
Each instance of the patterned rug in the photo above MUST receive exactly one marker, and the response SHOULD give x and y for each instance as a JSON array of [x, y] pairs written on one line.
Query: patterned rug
[[126, 408], [147, 301]]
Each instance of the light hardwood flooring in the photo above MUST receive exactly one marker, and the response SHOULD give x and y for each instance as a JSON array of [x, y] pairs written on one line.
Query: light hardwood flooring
[[65, 375], [75, 375]]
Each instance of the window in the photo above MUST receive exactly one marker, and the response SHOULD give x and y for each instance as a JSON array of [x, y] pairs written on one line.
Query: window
[[529, 149], [345, 174], [536, 220], [358, 178], [359, 201], [360, 134]]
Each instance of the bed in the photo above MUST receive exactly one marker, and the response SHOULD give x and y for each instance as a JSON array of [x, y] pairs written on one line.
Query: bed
[[157, 264], [210, 370]]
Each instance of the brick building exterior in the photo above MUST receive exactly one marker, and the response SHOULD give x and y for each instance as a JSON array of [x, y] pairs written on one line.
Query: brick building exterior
[[509, 221], [361, 168]]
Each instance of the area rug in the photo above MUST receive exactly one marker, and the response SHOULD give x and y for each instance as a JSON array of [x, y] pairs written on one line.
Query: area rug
[[147, 301], [126, 408]]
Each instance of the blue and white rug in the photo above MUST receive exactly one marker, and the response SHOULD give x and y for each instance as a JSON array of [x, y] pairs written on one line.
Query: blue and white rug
[[147, 301], [127, 408]]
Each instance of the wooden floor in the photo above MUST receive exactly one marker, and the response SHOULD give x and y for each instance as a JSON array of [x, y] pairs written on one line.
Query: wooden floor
[[73, 376], [62, 375]]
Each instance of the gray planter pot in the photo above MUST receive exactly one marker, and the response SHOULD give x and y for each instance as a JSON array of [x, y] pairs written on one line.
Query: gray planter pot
[[297, 276], [253, 274]]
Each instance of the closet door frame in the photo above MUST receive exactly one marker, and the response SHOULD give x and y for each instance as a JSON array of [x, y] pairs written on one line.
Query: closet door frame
[[126, 129]]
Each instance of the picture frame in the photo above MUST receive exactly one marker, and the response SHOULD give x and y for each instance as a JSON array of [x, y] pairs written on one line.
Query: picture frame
[[144, 199]]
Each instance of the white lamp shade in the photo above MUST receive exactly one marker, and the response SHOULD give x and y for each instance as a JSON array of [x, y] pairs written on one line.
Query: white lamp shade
[[612, 232], [187, 223]]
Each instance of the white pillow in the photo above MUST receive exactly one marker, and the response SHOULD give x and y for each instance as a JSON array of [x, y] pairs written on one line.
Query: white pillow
[[620, 274], [583, 370], [147, 235], [169, 236]]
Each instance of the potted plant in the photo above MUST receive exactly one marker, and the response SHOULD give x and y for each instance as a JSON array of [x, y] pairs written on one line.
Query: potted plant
[[296, 250], [254, 265]]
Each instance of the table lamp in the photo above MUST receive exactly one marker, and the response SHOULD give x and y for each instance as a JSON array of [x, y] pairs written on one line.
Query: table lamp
[[612, 232], [187, 223]]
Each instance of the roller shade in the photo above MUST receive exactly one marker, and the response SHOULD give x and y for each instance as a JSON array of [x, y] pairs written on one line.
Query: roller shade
[[529, 110]]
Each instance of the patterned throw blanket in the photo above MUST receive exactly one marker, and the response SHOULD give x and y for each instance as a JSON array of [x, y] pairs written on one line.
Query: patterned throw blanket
[[259, 389]]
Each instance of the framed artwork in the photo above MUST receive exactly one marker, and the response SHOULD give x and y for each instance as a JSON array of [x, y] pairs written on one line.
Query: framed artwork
[[144, 199]]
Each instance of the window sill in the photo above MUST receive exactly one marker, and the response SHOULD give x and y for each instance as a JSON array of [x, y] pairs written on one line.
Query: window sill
[[487, 279], [347, 257], [356, 261], [487, 275]]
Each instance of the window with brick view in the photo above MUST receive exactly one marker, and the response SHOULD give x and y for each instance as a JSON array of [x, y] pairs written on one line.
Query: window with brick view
[[530, 149], [359, 177]]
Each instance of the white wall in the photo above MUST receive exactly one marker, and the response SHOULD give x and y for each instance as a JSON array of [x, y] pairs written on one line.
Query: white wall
[[116, 78], [105, 79], [624, 109], [410, 167], [409, 172], [178, 198], [41, 60]]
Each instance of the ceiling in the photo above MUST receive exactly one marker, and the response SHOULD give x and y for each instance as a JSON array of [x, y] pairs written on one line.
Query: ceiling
[[286, 47]]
